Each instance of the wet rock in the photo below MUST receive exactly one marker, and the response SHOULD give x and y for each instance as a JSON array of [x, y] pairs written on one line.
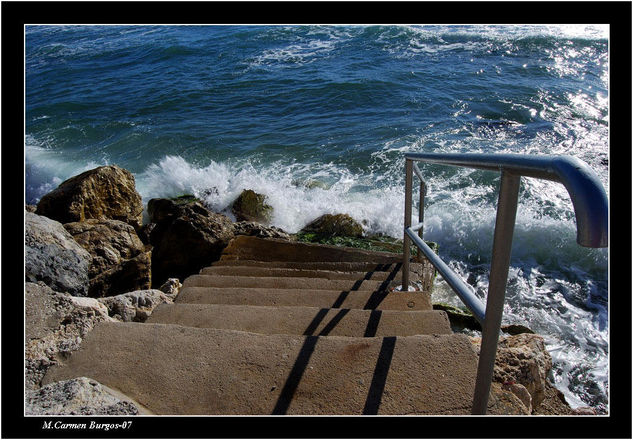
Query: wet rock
[[135, 306], [106, 192], [459, 319], [55, 324], [79, 396], [334, 225], [515, 329], [186, 238], [52, 255], [120, 261], [251, 207], [259, 230]]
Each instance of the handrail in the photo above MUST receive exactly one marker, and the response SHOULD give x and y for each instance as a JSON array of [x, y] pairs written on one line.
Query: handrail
[[592, 219]]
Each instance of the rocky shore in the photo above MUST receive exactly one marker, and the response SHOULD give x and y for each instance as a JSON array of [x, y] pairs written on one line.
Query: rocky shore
[[89, 258]]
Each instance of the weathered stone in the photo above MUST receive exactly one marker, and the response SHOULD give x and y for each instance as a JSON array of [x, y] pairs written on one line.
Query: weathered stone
[[52, 255], [259, 230], [135, 306], [55, 324], [145, 232], [339, 225], [120, 261], [186, 238], [106, 192], [79, 396], [250, 206], [554, 403], [505, 402], [522, 359], [30, 208], [521, 392], [171, 287]]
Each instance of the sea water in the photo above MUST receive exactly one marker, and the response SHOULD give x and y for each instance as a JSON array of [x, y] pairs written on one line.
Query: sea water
[[318, 119]]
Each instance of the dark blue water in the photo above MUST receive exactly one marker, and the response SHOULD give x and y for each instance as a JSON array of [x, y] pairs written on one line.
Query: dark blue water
[[318, 118]]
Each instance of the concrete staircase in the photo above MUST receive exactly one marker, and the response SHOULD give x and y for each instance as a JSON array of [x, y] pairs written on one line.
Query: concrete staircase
[[278, 327]]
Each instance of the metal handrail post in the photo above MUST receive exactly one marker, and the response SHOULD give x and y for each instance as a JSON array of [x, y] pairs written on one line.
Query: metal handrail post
[[501, 251], [421, 210], [408, 201]]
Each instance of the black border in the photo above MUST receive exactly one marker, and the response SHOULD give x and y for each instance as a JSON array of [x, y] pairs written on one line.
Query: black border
[[617, 14]]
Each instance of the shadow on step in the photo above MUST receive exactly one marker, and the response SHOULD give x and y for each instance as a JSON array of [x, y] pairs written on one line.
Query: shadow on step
[[374, 395]]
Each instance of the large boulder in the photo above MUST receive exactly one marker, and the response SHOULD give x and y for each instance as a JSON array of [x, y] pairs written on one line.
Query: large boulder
[[55, 324], [52, 255], [78, 396], [120, 261], [334, 225], [106, 192], [251, 207], [186, 237]]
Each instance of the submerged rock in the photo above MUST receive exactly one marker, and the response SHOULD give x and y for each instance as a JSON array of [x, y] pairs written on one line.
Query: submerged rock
[[186, 237], [106, 192], [120, 261], [334, 225], [52, 256], [251, 207], [79, 396]]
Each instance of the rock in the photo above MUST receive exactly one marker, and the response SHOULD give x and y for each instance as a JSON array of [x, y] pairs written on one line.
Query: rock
[[52, 255], [515, 329], [329, 225], [459, 318], [523, 359], [250, 206], [259, 230], [79, 396], [171, 287], [504, 402], [55, 324], [521, 392], [30, 208], [135, 306], [106, 192], [186, 238], [145, 232], [554, 403], [120, 261], [584, 411]]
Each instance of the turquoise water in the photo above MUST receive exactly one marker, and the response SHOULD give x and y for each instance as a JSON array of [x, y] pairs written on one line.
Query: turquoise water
[[188, 109]]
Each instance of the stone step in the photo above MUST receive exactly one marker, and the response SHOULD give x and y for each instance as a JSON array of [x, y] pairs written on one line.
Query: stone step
[[171, 369], [273, 271], [342, 266], [245, 247], [356, 299], [284, 283], [303, 320]]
